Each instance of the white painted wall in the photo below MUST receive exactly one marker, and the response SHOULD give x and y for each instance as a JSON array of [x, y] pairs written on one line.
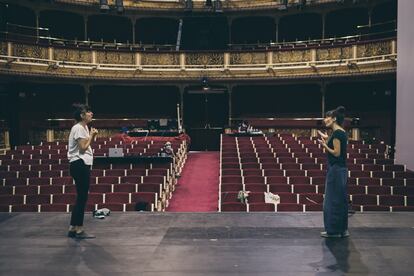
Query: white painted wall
[[404, 151]]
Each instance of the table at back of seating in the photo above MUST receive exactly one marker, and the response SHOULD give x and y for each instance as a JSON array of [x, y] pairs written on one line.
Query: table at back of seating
[[158, 133], [244, 134]]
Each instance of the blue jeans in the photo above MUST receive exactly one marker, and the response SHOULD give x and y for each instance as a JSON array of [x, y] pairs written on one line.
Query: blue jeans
[[335, 204]]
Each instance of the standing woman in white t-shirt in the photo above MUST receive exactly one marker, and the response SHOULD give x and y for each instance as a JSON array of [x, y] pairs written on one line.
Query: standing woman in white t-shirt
[[80, 159]]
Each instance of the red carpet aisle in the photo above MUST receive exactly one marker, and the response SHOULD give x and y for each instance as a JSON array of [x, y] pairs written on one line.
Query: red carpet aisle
[[198, 186]]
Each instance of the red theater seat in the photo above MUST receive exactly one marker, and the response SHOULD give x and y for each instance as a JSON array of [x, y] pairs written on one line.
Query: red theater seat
[[228, 197], [256, 198], [364, 199], [11, 199], [38, 199], [50, 174], [231, 187], [283, 188], [125, 187], [117, 198], [256, 187], [94, 198], [379, 190], [231, 172], [108, 180], [252, 173], [25, 208], [254, 180], [64, 199], [354, 190], [15, 181], [53, 208], [6, 190], [304, 188], [231, 179], [261, 207], [289, 207], [150, 188], [276, 180], [391, 200], [101, 188], [26, 190], [48, 190], [233, 207], [311, 198], [299, 180]]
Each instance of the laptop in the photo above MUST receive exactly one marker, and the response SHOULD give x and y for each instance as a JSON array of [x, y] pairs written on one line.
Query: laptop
[[116, 152]]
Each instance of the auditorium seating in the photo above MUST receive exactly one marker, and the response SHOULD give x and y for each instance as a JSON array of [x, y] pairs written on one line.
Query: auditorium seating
[[295, 167], [36, 178]]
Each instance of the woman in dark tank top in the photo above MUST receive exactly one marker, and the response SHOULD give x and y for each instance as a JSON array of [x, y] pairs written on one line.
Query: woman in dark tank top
[[335, 205]]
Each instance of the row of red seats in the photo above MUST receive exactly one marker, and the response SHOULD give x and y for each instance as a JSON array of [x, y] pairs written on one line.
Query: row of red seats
[[291, 166], [63, 203], [317, 188]]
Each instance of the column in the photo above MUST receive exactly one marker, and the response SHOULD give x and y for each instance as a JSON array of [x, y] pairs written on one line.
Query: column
[[370, 17], [133, 29], [94, 56], [50, 53], [182, 89], [85, 25], [323, 25], [323, 92], [10, 49], [230, 91], [393, 47], [229, 23], [226, 61], [277, 20], [354, 52], [269, 59], [182, 61], [314, 131], [355, 134], [87, 91], [50, 135], [7, 139], [37, 25], [138, 60]]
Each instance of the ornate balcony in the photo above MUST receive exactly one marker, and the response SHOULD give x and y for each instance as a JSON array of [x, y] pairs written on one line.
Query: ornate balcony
[[277, 61]]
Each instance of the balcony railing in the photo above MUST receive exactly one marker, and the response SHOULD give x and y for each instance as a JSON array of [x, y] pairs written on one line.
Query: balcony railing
[[18, 33], [200, 5], [329, 57]]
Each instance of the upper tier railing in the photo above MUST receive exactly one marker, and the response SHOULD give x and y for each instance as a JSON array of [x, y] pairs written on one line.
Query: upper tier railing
[[41, 36], [202, 5]]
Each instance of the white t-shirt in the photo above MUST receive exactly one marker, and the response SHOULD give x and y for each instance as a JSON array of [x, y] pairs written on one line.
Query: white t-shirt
[[74, 153]]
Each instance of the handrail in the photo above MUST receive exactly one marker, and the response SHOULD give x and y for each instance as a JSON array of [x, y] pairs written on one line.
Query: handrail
[[27, 27], [318, 41], [171, 48], [376, 24]]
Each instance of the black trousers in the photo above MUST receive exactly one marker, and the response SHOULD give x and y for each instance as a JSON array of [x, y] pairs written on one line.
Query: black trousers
[[81, 174]]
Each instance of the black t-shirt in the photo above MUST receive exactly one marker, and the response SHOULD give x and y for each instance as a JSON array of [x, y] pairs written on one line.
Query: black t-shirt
[[343, 139]]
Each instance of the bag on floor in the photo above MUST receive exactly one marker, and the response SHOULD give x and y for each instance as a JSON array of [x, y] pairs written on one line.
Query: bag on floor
[[101, 213], [271, 198], [141, 206], [242, 196]]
